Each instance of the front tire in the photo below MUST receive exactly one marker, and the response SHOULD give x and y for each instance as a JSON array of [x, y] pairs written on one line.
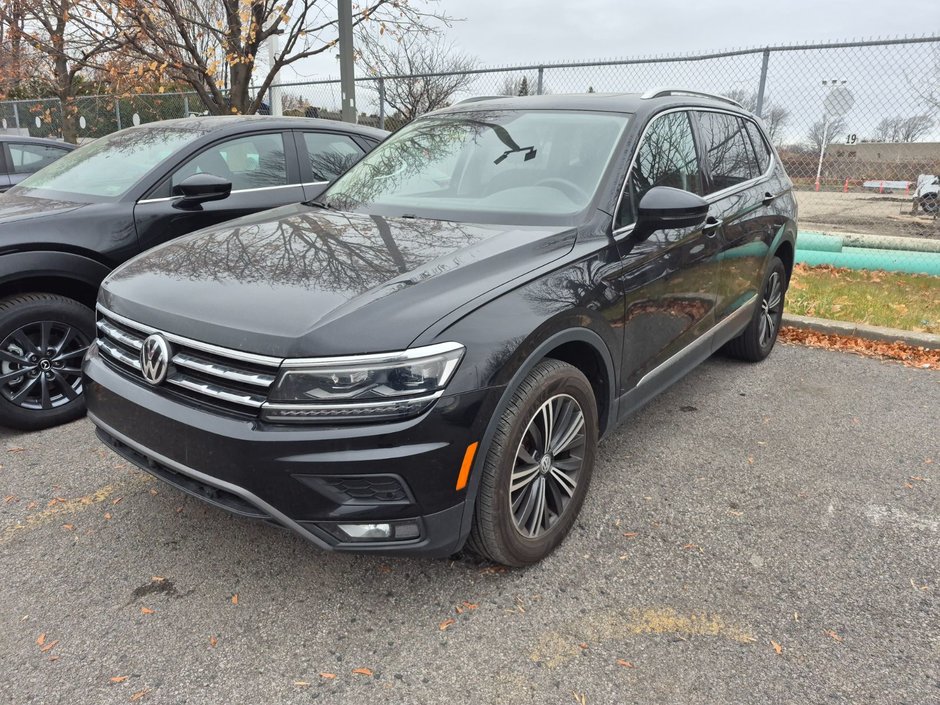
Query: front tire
[[43, 338], [538, 468], [757, 340]]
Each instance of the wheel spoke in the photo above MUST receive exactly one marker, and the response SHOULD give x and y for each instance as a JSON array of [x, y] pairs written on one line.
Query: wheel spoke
[[548, 422], [25, 343], [561, 423], [23, 391], [538, 516], [66, 339], [13, 375], [521, 478], [7, 356], [762, 337], [562, 480], [570, 434], [44, 388], [45, 336], [527, 501], [66, 388], [69, 355]]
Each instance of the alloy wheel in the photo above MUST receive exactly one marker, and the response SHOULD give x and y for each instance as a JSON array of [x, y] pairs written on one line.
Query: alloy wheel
[[771, 310], [547, 464], [40, 365]]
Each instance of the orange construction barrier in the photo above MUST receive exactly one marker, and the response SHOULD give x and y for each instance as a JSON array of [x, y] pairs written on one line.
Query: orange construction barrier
[[845, 186]]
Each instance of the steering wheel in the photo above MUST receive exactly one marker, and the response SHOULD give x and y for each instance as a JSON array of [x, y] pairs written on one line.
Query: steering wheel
[[569, 188]]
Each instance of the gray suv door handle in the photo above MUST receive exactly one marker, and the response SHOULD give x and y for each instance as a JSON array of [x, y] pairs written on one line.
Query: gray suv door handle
[[711, 226]]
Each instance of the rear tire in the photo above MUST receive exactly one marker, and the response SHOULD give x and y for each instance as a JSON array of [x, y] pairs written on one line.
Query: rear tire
[[43, 339], [757, 340], [531, 491]]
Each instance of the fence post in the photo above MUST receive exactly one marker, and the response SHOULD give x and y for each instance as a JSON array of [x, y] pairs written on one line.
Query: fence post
[[16, 114], [381, 103], [538, 88], [185, 105], [117, 111], [763, 83]]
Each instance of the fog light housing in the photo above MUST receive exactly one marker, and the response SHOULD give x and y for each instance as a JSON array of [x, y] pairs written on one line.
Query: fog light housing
[[369, 532]]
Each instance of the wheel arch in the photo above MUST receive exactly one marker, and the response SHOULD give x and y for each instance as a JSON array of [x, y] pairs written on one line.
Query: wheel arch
[[66, 274]]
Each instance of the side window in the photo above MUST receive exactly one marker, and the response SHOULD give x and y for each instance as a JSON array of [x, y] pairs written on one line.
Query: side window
[[330, 154], [731, 160], [29, 158], [760, 145], [666, 157], [249, 162]]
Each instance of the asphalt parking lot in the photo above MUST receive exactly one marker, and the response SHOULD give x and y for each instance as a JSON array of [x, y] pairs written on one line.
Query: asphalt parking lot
[[764, 533]]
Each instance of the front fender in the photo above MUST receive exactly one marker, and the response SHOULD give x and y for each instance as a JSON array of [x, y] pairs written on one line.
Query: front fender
[[18, 266]]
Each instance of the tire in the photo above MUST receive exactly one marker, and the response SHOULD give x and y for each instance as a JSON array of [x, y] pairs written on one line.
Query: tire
[[43, 337], [757, 340], [502, 531]]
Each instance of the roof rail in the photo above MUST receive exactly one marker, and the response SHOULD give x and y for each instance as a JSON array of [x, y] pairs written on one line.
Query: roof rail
[[662, 92], [478, 98]]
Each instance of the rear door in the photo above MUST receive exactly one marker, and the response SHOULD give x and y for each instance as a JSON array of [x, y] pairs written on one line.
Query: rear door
[[669, 279], [324, 156], [739, 193], [264, 173]]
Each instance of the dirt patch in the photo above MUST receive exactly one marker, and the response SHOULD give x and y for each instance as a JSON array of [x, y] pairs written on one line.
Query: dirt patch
[[864, 212]]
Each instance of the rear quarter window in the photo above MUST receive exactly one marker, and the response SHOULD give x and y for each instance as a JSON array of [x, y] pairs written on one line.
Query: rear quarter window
[[761, 148], [731, 158]]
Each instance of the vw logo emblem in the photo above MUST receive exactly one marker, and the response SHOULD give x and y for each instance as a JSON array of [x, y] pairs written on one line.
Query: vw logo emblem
[[154, 358]]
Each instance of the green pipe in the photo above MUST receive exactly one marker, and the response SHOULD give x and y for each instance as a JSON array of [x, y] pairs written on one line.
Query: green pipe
[[818, 242], [885, 260]]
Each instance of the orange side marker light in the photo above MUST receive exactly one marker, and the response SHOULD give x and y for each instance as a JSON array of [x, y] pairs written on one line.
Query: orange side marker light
[[465, 466]]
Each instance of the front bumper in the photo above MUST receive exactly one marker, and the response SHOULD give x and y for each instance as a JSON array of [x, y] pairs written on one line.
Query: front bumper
[[307, 478]]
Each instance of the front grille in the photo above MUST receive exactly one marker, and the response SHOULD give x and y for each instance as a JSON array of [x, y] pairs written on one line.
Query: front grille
[[223, 378]]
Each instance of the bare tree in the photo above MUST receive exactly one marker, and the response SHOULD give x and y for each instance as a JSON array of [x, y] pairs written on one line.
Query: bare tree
[[774, 116], [214, 45], [830, 127], [66, 38], [523, 84], [903, 129], [432, 71]]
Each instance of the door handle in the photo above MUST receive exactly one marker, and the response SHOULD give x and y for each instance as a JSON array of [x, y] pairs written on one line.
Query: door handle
[[711, 226], [769, 198]]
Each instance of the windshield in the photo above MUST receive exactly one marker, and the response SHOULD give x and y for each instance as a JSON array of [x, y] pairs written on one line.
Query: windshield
[[107, 168], [485, 166]]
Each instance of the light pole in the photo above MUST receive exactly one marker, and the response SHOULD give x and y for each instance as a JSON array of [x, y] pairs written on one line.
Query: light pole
[[277, 106], [838, 102], [346, 66]]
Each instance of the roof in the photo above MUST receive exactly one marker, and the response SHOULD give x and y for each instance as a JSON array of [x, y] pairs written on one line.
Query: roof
[[36, 140], [234, 123], [605, 102]]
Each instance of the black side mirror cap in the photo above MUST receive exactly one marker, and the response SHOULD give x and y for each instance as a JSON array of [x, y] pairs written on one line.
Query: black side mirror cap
[[200, 188], [664, 208]]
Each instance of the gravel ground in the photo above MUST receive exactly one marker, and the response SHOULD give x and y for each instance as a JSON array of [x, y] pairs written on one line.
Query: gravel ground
[[765, 533], [864, 212]]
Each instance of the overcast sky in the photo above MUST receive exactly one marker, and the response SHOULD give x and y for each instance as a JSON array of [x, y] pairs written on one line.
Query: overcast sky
[[501, 32]]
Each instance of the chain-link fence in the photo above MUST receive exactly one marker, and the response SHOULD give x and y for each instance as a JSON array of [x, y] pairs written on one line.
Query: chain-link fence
[[857, 124]]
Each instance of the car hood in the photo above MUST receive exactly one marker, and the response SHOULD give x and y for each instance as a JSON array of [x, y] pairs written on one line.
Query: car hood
[[301, 281], [18, 207]]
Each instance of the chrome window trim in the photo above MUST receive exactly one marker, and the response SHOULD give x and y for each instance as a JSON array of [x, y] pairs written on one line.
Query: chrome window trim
[[241, 190], [372, 359], [710, 198], [253, 358]]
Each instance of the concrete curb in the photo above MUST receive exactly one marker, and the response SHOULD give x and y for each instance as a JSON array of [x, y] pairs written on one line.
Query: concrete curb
[[859, 330]]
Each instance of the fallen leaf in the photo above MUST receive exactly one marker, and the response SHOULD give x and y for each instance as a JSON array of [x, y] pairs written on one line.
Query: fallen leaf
[[446, 624], [10, 498], [470, 605], [41, 639], [583, 645], [153, 492], [117, 501], [107, 515], [157, 578], [213, 641], [146, 610], [235, 599], [68, 527], [625, 664], [777, 647], [579, 698], [630, 534], [328, 676], [53, 658], [31, 505], [832, 635], [362, 671], [118, 679], [139, 694], [302, 684], [15, 449], [49, 646]]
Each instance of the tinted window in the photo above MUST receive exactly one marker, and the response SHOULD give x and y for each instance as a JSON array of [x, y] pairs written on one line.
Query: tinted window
[[731, 160], [666, 157], [248, 162], [30, 158], [108, 167], [330, 155], [760, 145]]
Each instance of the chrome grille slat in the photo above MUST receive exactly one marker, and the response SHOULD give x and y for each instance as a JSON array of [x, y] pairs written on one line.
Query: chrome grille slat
[[197, 370]]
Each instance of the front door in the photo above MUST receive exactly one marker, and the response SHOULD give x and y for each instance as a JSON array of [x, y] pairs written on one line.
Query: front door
[[669, 279], [263, 173]]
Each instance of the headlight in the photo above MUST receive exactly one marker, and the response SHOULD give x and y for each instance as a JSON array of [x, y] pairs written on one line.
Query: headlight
[[364, 387]]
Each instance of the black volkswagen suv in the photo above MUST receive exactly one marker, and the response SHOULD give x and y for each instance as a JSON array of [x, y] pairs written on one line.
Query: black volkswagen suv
[[428, 355]]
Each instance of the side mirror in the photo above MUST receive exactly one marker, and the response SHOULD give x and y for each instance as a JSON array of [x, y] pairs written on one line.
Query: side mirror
[[200, 188], [664, 207]]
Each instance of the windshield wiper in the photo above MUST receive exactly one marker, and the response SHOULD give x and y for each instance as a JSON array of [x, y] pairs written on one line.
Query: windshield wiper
[[321, 204]]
